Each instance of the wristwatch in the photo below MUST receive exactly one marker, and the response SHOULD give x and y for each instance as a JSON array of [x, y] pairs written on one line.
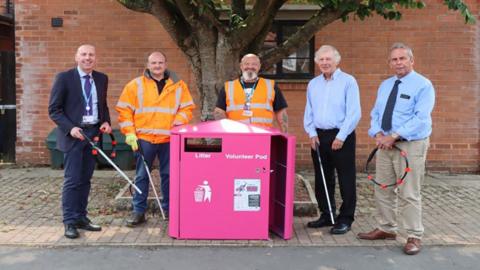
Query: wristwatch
[[395, 136]]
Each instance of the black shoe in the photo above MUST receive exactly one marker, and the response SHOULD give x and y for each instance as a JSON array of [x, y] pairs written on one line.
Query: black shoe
[[71, 231], [136, 219], [340, 228], [319, 223], [85, 224]]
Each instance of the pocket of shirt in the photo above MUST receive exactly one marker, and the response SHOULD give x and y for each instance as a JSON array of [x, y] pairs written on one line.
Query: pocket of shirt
[[404, 105]]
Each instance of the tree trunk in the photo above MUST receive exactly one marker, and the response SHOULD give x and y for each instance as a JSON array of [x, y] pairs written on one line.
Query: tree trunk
[[215, 63]]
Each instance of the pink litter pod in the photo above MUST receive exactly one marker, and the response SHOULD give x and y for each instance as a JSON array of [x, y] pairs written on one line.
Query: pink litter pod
[[230, 180]]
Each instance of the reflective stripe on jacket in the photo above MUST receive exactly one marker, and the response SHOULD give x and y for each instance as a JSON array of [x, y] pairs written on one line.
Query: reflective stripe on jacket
[[260, 105], [149, 115]]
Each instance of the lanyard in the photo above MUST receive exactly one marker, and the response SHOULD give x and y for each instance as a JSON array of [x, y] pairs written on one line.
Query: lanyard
[[87, 99], [249, 95]]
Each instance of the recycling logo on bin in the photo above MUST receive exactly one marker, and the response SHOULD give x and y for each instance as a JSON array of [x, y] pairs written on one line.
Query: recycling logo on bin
[[203, 193]]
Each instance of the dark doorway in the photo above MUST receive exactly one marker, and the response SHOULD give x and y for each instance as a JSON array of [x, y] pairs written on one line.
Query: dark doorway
[[8, 127]]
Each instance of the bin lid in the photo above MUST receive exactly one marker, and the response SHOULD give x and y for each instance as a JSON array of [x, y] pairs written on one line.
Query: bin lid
[[224, 126]]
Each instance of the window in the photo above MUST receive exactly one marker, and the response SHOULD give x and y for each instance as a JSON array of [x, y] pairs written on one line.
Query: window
[[298, 65]]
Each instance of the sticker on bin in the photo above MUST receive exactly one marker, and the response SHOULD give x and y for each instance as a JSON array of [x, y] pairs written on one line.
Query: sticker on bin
[[246, 195], [203, 193]]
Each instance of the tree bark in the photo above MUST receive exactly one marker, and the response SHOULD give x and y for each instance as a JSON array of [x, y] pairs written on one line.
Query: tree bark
[[213, 62]]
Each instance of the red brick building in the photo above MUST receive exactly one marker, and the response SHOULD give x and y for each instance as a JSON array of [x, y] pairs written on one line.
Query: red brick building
[[6, 26], [446, 50]]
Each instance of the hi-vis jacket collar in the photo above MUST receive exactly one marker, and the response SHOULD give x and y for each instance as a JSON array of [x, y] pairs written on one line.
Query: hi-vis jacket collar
[[168, 75]]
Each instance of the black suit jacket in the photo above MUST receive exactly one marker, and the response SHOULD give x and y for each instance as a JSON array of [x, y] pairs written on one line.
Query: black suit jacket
[[67, 104]]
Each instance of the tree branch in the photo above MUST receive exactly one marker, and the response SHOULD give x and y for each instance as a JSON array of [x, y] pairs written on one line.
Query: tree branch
[[169, 17], [209, 16], [323, 17], [175, 24], [260, 17], [188, 12], [200, 14], [139, 5]]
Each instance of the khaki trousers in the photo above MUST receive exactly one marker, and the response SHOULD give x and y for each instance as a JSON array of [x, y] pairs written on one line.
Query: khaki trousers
[[404, 200]]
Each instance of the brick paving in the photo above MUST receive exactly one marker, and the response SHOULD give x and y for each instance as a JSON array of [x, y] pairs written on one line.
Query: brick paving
[[30, 215]]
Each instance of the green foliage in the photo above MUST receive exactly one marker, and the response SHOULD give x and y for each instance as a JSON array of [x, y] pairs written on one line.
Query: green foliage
[[388, 9], [137, 4], [236, 21], [462, 7]]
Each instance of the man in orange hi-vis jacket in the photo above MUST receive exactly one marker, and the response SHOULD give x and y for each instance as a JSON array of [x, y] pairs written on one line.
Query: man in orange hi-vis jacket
[[148, 108], [252, 99]]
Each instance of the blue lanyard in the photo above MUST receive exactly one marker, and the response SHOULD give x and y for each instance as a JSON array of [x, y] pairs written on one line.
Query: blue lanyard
[[250, 95], [87, 99]]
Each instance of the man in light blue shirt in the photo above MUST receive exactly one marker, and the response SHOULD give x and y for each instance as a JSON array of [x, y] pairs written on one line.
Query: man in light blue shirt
[[401, 116], [331, 114]]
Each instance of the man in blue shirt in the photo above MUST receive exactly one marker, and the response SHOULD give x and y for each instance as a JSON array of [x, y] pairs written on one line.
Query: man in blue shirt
[[401, 116], [331, 114]]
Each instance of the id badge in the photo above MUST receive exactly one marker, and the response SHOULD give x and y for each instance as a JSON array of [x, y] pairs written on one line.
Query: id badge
[[247, 113], [88, 119]]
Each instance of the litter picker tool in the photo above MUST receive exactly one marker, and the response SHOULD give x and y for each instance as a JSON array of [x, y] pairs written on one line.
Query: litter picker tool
[[317, 149], [395, 183], [97, 149]]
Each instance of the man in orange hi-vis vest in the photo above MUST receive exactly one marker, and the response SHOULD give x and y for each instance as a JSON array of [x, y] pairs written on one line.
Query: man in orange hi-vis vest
[[148, 108], [252, 99]]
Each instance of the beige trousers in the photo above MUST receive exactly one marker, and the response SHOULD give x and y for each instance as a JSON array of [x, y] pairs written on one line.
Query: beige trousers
[[404, 200]]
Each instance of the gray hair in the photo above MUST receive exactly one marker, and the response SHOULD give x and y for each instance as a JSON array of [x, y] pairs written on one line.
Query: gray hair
[[328, 48], [399, 45]]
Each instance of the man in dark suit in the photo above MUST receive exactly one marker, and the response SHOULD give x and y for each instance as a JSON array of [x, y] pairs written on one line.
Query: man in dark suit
[[78, 102]]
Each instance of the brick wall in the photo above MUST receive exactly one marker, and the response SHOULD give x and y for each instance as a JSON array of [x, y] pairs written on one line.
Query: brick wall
[[123, 40], [446, 51]]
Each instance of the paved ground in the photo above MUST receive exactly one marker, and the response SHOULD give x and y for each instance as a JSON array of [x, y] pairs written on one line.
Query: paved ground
[[30, 215], [236, 258]]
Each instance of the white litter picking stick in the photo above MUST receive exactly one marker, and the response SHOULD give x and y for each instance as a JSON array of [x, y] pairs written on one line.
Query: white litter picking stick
[[111, 162], [324, 183]]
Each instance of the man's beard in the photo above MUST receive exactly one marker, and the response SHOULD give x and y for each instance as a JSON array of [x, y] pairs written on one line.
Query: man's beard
[[249, 75]]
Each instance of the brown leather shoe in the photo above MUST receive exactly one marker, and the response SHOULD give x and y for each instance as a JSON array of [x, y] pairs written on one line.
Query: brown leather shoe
[[377, 234], [412, 246]]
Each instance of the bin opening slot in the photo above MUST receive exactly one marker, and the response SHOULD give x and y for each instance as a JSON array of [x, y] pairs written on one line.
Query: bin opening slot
[[203, 145]]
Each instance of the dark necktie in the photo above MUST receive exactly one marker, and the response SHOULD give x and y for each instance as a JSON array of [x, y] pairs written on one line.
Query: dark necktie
[[387, 114], [88, 94]]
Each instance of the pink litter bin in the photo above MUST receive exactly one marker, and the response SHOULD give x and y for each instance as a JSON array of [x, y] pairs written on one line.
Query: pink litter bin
[[230, 180]]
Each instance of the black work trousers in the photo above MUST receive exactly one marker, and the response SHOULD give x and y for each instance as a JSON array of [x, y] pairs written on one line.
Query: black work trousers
[[343, 162]]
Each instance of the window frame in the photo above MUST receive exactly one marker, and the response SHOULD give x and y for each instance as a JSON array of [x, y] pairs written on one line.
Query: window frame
[[278, 26]]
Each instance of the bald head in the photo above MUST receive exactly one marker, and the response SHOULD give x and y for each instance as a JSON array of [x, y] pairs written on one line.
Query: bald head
[[85, 57], [157, 64], [250, 66], [157, 54], [250, 56]]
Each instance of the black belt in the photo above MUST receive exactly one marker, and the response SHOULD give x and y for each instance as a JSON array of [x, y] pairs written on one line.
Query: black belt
[[336, 130], [405, 140]]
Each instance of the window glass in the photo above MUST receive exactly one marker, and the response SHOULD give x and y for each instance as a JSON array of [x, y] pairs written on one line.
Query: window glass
[[298, 65]]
